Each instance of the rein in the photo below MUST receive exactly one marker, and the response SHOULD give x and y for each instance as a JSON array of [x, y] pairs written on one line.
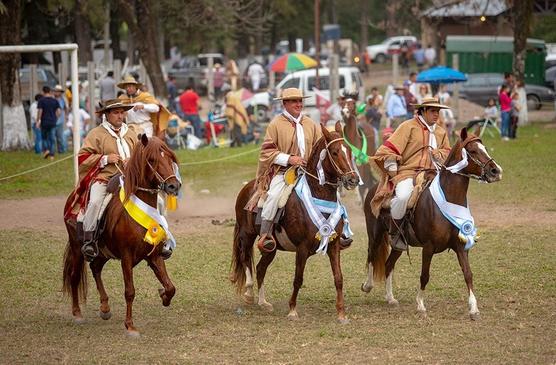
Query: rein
[[477, 162], [161, 180], [334, 164]]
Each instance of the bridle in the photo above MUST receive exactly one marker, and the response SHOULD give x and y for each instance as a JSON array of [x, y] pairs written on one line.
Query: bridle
[[339, 172], [161, 181], [481, 165]]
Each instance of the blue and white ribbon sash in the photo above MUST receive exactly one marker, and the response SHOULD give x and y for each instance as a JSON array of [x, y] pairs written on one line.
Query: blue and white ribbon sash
[[458, 215], [315, 207]]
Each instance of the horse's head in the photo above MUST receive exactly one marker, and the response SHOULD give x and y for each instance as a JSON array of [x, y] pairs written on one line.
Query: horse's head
[[480, 164], [348, 109], [337, 163], [153, 166]]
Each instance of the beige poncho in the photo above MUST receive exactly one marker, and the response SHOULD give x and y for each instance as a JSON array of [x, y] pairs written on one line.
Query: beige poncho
[[409, 147]]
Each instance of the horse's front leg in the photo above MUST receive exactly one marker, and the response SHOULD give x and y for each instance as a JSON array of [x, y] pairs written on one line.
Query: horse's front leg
[[301, 256], [334, 256], [262, 266], [158, 266], [425, 270], [127, 269], [96, 268], [463, 260]]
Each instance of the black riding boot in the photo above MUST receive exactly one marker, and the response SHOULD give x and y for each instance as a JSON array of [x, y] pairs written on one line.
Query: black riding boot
[[266, 242], [345, 242], [89, 248], [397, 234]]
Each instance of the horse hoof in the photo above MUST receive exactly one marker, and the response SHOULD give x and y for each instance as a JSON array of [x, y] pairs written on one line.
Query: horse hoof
[[248, 299], [133, 334], [394, 303], [266, 306], [343, 320], [475, 316], [105, 315], [365, 288], [78, 320], [422, 314], [293, 316]]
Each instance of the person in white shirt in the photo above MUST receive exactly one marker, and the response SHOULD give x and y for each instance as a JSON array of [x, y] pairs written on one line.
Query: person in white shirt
[[84, 122], [36, 131], [256, 74], [430, 56], [143, 105]]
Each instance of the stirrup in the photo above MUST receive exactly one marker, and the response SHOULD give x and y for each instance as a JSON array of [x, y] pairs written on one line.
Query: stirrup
[[89, 251], [266, 244]]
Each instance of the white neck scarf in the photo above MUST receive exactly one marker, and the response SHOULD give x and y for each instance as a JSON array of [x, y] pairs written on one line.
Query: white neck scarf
[[298, 131], [432, 137], [123, 148]]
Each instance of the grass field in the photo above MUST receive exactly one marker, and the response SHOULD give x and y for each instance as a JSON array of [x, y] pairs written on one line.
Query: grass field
[[514, 269]]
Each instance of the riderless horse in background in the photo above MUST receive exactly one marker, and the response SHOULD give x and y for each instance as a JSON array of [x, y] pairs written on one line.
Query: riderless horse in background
[[150, 169], [432, 230], [295, 231], [360, 137]]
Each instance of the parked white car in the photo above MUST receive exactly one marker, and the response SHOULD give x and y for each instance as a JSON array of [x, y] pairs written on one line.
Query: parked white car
[[381, 52], [350, 80]]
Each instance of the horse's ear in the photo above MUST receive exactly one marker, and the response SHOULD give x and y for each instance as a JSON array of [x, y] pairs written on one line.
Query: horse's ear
[[325, 132], [144, 139], [338, 128], [463, 134]]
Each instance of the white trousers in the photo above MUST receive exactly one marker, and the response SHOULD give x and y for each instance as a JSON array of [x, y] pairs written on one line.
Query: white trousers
[[399, 202], [146, 127], [98, 200], [270, 205]]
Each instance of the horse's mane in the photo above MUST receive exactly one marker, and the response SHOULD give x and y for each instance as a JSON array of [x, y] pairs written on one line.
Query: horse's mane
[[137, 173]]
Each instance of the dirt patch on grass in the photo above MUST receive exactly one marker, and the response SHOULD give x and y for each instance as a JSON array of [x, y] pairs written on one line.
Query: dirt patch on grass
[[196, 212]]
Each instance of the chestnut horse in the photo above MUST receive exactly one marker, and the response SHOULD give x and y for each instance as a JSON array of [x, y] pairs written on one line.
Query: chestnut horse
[[149, 170], [295, 230], [354, 134], [433, 232]]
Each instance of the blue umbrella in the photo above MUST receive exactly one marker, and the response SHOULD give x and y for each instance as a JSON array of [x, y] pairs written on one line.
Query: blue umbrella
[[441, 75]]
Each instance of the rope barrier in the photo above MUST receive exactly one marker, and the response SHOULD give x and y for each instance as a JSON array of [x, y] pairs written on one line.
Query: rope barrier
[[182, 164], [219, 159], [36, 169]]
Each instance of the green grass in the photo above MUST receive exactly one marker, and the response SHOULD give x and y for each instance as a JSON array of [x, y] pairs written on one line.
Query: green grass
[[58, 178], [514, 281]]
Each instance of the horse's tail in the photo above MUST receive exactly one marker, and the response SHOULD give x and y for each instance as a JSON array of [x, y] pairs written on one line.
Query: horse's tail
[[74, 272], [377, 234], [378, 255], [242, 249], [242, 259]]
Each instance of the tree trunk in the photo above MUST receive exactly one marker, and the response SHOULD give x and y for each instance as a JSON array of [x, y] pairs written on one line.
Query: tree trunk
[[392, 15], [522, 14], [82, 31], [364, 26], [115, 22], [141, 20], [13, 129]]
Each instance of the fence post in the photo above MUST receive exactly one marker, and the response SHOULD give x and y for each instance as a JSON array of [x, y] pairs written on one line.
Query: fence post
[[91, 88], [455, 64], [395, 69], [33, 82]]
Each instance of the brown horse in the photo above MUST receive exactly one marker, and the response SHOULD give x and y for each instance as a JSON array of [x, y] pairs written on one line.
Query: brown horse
[[149, 170], [354, 134], [433, 232], [295, 231]]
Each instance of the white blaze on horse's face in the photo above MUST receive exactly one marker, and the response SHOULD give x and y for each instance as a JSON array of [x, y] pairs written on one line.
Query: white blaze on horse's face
[[483, 149]]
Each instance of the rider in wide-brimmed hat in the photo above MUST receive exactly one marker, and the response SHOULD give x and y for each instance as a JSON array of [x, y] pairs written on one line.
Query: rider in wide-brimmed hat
[[410, 149], [147, 112], [105, 150]]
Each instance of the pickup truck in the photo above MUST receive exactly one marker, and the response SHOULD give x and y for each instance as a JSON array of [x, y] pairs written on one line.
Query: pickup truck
[[194, 70], [379, 53]]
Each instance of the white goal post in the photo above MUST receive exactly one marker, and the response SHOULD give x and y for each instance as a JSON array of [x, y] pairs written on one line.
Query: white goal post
[[71, 47]]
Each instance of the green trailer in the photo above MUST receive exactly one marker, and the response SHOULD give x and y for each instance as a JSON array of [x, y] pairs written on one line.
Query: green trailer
[[479, 54]]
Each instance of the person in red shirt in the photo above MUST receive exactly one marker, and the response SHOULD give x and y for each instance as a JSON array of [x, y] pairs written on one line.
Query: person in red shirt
[[190, 106], [505, 109]]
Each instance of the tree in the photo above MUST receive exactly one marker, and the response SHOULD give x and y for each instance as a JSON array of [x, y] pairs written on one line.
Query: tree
[[13, 130], [82, 31], [522, 16], [140, 17]]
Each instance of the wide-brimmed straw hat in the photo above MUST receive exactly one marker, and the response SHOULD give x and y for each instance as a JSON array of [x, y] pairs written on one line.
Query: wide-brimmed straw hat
[[430, 103], [291, 93], [110, 104], [399, 87], [58, 88], [129, 80]]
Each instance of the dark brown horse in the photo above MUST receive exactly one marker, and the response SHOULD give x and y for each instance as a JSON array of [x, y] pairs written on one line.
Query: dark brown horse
[[149, 170], [295, 231], [433, 232], [354, 133]]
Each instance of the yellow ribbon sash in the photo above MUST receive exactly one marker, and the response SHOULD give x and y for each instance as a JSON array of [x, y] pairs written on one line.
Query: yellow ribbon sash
[[155, 233]]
